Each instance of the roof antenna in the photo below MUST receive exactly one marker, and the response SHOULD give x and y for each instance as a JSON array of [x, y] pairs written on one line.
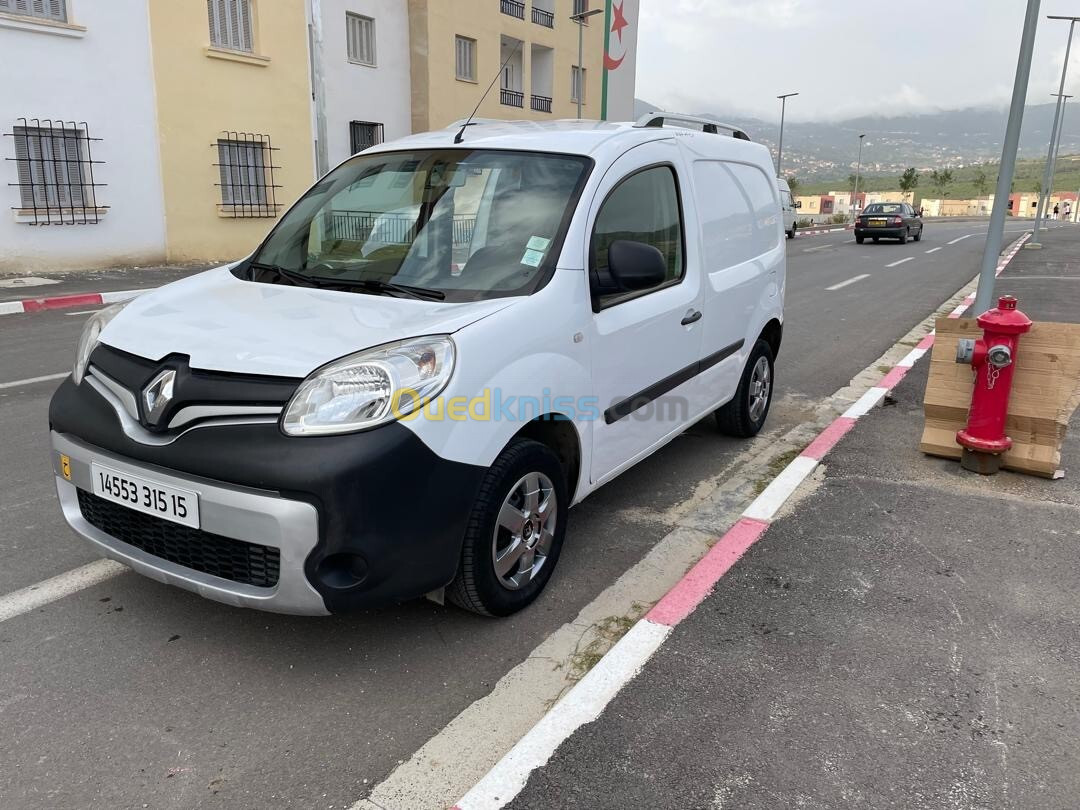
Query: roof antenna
[[461, 132]]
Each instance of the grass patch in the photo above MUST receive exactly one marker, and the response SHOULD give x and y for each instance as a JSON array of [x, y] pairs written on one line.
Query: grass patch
[[884, 369]]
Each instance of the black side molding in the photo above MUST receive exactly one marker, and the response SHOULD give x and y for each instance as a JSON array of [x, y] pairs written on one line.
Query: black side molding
[[620, 410]]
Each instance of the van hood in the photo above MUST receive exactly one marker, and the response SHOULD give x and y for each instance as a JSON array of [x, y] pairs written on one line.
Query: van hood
[[226, 324]]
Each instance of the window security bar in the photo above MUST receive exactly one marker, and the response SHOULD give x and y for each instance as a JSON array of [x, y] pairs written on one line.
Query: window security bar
[[55, 172], [246, 175]]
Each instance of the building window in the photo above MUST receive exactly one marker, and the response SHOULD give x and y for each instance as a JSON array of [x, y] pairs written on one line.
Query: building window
[[360, 32], [578, 77], [46, 9], [580, 7], [364, 134], [55, 173], [246, 171], [230, 24], [466, 58]]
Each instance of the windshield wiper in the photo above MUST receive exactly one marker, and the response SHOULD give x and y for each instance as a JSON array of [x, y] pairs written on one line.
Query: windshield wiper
[[380, 286], [297, 279]]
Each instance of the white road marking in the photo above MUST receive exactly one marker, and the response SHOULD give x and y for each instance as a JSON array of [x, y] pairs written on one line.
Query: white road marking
[[10, 307], [768, 503], [581, 705], [35, 596], [908, 259], [960, 239], [843, 284], [30, 380], [83, 312], [935, 250], [819, 247]]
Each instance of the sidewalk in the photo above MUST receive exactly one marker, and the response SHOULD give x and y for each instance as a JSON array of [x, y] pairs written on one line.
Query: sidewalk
[[68, 284], [905, 635]]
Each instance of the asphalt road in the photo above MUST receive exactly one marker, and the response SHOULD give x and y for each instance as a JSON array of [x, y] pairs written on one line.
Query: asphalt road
[[132, 694]]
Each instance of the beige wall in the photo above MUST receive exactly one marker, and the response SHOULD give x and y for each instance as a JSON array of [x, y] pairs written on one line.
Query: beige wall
[[438, 98], [200, 94]]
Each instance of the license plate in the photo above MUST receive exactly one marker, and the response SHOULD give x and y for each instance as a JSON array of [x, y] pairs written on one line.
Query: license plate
[[878, 223], [146, 496]]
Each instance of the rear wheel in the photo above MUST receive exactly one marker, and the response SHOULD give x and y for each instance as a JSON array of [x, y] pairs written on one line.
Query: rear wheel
[[515, 532], [918, 235], [859, 239], [791, 233], [745, 415], [876, 239], [903, 237]]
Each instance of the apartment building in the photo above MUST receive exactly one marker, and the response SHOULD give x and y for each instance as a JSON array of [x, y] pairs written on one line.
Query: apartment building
[[233, 89], [81, 179], [530, 50]]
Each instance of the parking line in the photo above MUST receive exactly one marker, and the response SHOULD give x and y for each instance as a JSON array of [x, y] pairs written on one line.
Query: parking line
[[843, 284], [960, 239], [29, 380], [908, 259], [935, 250], [35, 596], [819, 247]]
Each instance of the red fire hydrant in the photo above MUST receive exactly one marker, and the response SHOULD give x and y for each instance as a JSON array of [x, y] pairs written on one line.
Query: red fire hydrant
[[993, 356]]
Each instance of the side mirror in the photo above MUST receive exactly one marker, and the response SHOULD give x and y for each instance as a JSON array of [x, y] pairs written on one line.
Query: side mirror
[[798, 203], [635, 265]]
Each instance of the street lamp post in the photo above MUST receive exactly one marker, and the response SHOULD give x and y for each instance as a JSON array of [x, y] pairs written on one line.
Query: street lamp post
[[858, 171], [1048, 177], [1057, 148], [780, 146], [580, 20], [984, 296]]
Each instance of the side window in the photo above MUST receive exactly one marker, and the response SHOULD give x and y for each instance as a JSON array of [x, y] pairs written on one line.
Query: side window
[[644, 207]]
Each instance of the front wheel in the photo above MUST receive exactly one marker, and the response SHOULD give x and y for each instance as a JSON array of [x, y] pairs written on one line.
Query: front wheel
[[859, 239], [791, 233], [745, 415], [515, 532]]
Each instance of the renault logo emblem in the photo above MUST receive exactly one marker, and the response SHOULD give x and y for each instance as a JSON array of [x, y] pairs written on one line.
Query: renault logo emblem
[[158, 394]]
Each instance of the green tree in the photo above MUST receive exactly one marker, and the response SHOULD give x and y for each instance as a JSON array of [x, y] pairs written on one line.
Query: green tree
[[852, 181], [1037, 187], [981, 182], [909, 180], [941, 180], [793, 184]]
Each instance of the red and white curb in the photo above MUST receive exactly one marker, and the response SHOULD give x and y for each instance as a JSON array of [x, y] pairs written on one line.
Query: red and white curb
[[584, 703], [69, 301], [820, 231]]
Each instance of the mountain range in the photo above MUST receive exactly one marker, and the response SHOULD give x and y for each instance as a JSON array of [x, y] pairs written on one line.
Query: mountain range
[[954, 138]]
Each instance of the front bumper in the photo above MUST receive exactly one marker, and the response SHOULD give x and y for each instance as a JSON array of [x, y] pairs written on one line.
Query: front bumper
[[361, 520]]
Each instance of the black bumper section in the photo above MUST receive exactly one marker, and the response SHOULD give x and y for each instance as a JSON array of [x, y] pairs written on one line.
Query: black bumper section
[[382, 494]]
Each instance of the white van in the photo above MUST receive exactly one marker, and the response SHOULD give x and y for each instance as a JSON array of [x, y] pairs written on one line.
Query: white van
[[322, 426], [789, 207]]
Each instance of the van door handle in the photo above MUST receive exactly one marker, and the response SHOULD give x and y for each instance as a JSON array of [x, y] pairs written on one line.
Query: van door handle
[[693, 316]]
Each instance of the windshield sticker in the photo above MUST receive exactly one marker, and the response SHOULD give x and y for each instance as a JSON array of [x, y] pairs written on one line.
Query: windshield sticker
[[538, 243], [533, 258]]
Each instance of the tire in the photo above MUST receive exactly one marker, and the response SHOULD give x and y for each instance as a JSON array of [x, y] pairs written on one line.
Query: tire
[[859, 239], [791, 233], [478, 586], [903, 237], [743, 417], [918, 236], [876, 239]]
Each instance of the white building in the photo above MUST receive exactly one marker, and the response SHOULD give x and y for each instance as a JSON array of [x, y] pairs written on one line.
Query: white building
[[364, 65], [81, 180]]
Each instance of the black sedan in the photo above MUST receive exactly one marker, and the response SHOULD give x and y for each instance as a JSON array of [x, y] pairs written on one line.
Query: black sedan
[[888, 221]]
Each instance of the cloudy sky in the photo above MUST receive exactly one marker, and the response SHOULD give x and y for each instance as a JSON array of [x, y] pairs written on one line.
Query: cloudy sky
[[845, 57]]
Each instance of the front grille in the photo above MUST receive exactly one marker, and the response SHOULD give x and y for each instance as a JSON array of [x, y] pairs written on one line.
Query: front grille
[[234, 560]]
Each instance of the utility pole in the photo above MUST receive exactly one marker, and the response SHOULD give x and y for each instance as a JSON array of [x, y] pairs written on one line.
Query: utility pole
[[1048, 177], [984, 297], [318, 88], [580, 20], [1057, 149], [858, 171], [780, 147]]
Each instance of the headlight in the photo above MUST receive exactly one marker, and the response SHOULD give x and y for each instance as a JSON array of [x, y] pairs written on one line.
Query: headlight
[[89, 338], [371, 387]]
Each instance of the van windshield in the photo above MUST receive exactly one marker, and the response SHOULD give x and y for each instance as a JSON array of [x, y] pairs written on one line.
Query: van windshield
[[452, 224]]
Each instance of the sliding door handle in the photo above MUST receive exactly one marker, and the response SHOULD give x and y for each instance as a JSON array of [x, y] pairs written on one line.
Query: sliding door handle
[[693, 316]]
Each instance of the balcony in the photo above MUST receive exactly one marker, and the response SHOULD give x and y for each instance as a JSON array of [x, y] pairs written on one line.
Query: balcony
[[541, 104], [513, 8], [511, 98], [544, 18]]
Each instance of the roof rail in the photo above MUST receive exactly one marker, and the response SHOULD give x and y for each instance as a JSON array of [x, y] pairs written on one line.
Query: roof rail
[[658, 119]]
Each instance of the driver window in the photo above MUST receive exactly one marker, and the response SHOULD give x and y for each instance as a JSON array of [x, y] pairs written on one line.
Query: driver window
[[642, 208]]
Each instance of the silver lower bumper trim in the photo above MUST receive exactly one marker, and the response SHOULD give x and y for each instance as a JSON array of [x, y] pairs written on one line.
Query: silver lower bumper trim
[[243, 514]]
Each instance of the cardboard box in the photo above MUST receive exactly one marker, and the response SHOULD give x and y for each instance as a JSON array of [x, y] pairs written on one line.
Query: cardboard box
[[1046, 391]]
